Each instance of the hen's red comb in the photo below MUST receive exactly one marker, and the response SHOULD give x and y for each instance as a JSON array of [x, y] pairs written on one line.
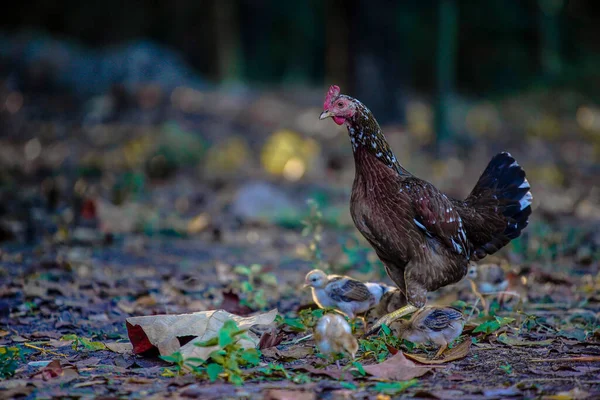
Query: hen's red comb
[[332, 93]]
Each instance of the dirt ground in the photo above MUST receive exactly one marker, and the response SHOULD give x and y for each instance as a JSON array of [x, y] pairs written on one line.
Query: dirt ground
[[171, 245]]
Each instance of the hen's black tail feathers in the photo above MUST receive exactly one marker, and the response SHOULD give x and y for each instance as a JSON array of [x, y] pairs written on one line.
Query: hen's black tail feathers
[[504, 180]]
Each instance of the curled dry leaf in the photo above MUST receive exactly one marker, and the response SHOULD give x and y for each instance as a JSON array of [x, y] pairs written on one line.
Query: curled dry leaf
[[163, 331], [270, 339], [54, 370], [335, 373], [231, 303], [513, 341], [396, 368], [573, 394], [292, 353], [283, 394], [456, 353], [122, 348]]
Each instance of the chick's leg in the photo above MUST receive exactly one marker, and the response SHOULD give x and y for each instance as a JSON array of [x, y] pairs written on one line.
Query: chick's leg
[[441, 350]]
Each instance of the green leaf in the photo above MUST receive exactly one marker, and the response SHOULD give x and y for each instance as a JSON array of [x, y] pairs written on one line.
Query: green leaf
[[93, 346], [575, 333], [255, 268], [294, 323], [242, 270], [348, 385], [506, 368], [218, 356], [69, 337], [9, 361], [247, 287], [208, 343], [493, 325], [236, 379], [386, 329], [228, 332], [251, 356], [394, 387], [359, 367], [213, 370], [269, 279], [168, 373], [174, 358]]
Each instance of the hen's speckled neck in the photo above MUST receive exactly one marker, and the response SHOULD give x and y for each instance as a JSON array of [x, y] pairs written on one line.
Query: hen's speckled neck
[[366, 135]]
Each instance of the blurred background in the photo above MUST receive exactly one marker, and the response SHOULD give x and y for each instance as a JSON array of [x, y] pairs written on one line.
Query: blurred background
[[200, 117]]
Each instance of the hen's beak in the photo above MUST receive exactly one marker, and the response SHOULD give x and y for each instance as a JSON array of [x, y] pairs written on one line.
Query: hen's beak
[[325, 114]]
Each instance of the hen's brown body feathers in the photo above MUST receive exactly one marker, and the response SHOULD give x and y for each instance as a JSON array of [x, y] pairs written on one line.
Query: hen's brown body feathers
[[424, 238]]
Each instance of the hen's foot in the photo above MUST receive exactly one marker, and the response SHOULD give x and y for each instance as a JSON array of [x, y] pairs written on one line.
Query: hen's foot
[[391, 317]]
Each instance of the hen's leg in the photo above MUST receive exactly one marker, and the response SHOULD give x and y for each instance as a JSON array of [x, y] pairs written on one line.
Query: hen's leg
[[416, 295]]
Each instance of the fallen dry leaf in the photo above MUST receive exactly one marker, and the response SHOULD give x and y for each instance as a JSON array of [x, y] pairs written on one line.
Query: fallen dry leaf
[[291, 353], [56, 370], [163, 331], [573, 394], [456, 353], [231, 303], [513, 341], [501, 392], [566, 370], [283, 394], [270, 339], [568, 359], [90, 383], [335, 373], [396, 368], [122, 348]]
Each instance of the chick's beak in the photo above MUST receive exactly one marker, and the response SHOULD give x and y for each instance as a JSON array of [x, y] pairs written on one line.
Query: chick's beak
[[305, 285], [325, 114]]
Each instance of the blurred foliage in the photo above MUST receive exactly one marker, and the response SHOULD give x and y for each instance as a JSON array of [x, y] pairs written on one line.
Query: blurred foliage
[[502, 45], [254, 290], [9, 361], [288, 154]]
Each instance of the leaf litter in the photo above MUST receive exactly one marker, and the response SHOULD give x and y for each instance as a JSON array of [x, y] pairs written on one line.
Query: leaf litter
[[160, 251]]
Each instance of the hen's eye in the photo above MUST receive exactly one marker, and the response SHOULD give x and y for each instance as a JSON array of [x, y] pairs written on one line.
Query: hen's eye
[[340, 104]]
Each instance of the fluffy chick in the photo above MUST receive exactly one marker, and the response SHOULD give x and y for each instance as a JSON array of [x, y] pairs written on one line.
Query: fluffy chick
[[334, 335], [438, 325], [348, 295], [489, 278]]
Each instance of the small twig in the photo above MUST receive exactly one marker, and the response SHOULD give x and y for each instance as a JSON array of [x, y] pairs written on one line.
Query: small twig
[[473, 309], [479, 296], [568, 359], [44, 350], [296, 341], [549, 379]]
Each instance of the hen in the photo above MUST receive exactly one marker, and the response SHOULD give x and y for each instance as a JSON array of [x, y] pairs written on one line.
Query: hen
[[424, 238]]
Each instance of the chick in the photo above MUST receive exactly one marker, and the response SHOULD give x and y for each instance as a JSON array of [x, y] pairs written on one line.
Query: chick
[[439, 325], [489, 278], [348, 295], [334, 335]]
